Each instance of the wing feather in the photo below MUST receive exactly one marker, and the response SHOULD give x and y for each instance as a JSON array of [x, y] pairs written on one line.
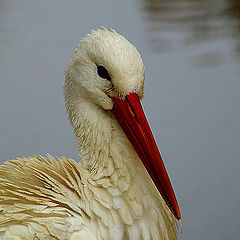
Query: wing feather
[[40, 197]]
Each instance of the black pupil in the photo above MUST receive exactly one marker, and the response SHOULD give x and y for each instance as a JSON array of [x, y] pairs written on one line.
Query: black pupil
[[103, 73]]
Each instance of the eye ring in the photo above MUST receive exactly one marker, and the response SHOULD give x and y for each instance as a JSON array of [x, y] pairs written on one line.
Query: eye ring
[[103, 73]]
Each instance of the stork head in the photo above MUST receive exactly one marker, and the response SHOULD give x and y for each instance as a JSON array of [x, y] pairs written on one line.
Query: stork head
[[107, 65], [109, 72]]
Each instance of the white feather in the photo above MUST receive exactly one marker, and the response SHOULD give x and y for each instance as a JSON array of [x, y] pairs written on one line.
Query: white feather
[[108, 195]]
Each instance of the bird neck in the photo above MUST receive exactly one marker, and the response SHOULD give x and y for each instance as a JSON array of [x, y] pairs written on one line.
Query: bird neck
[[115, 174], [100, 140]]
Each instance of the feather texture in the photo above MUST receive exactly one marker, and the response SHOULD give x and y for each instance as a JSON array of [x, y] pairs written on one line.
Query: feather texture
[[109, 194], [44, 198]]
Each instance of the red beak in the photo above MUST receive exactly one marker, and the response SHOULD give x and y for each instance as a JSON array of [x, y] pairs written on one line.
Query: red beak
[[130, 116]]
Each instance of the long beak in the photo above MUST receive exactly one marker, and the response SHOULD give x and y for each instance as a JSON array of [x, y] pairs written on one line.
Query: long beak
[[130, 116]]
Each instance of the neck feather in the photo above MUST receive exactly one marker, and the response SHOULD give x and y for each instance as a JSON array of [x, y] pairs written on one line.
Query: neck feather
[[114, 166], [100, 140]]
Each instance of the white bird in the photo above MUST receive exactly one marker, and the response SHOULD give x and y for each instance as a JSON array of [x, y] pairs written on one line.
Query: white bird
[[108, 194]]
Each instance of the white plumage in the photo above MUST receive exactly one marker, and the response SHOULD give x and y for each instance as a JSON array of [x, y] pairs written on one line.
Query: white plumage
[[109, 194]]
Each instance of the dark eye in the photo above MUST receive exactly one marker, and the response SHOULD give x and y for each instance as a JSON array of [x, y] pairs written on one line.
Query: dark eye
[[103, 73]]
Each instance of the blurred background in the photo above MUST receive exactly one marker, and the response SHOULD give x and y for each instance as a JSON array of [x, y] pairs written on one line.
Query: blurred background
[[191, 50]]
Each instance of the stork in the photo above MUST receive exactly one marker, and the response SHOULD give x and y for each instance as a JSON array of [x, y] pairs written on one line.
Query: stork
[[120, 189]]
